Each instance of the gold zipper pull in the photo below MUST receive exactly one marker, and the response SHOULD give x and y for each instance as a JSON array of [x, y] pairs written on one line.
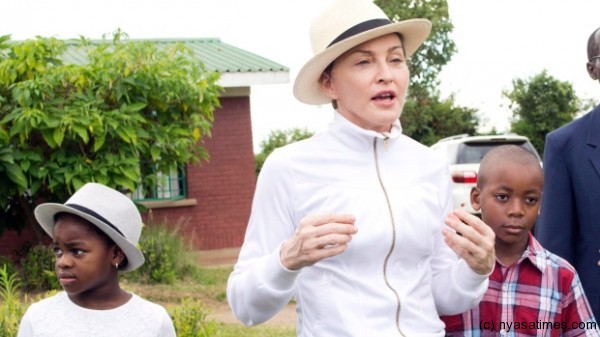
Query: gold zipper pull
[[385, 142]]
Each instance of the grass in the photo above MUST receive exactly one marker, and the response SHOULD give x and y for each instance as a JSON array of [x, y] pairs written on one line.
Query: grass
[[209, 286], [231, 330]]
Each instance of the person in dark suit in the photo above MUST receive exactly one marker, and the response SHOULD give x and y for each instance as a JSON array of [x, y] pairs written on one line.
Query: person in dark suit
[[569, 222]]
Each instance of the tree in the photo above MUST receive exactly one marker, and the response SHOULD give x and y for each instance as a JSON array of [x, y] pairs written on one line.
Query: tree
[[437, 50], [130, 111], [278, 138], [437, 119], [541, 104], [426, 117]]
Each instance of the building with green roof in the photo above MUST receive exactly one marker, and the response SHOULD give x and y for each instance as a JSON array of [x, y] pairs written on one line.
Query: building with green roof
[[211, 201]]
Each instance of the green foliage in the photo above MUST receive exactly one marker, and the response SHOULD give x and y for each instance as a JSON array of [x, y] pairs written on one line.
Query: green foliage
[[437, 51], [541, 104], [168, 258], [236, 330], [37, 269], [278, 138], [426, 117], [189, 319], [437, 119], [132, 109], [11, 309], [8, 264]]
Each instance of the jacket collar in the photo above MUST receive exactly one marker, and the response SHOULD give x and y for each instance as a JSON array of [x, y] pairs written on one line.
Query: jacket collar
[[358, 139]]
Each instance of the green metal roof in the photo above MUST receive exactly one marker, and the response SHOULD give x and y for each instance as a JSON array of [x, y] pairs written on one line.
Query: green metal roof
[[222, 57], [238, 67]]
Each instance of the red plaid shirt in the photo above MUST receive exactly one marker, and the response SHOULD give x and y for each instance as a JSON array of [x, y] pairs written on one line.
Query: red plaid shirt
[[540, 295]]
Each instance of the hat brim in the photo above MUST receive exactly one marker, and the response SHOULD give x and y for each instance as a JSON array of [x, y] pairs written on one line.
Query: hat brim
[[306, 86], [45, 214]]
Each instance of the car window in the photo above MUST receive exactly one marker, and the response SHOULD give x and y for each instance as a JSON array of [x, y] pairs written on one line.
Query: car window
[[473, 152], [451, 151]]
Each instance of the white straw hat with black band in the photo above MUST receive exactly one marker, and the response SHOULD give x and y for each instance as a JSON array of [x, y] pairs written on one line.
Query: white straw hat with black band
[[108, 209], [344, 25]]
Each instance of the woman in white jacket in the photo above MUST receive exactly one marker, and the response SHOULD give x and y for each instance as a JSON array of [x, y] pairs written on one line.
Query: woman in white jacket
[[350, 222]]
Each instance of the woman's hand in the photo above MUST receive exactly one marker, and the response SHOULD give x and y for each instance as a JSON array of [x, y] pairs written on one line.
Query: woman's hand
[[317, 237], [472, 240]]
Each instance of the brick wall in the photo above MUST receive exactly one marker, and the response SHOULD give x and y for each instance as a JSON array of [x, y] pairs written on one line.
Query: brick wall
[[223, 187], [11, 243]]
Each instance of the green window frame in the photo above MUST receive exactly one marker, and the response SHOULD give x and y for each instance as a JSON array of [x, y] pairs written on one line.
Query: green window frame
[[170, 186]]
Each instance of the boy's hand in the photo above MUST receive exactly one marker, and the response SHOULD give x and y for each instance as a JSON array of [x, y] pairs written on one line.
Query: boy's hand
[[475, 244]]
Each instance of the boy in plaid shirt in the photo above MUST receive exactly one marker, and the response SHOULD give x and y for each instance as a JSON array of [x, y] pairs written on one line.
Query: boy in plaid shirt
[[531, 292]]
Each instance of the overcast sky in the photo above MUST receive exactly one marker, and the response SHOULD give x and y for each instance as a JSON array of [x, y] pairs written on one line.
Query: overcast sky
[[498, 41]]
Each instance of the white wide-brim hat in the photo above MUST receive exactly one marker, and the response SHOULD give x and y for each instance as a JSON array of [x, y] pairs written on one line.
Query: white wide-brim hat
[[109, 210], [344, 25]]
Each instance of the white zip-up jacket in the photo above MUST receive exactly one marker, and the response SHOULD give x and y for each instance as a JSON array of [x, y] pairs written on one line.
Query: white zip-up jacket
[[399, 191]]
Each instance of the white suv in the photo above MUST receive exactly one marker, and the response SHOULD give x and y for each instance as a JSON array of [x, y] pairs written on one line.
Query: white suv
[[464, 153]]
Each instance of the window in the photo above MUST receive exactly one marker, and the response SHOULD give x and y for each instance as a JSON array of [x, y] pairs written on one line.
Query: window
[[473, 152], [169, 186]]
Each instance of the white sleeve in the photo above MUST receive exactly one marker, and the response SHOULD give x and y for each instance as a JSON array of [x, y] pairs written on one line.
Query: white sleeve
[[456, 287], [259, 285]]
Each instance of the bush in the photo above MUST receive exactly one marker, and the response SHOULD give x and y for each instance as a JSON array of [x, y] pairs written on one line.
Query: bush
[[189, 319], [6, 262], [11, 309], [276, 139], [38, 269], [168, 258]]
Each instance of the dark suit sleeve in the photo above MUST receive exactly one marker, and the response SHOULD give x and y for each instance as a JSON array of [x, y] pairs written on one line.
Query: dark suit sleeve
[[556, 225]]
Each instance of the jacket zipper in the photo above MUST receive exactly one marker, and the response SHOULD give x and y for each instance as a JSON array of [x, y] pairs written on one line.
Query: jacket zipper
[[392, 246]]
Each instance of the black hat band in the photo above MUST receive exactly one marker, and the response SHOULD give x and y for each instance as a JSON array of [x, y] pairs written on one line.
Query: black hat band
[[95, 215], [360, 28]]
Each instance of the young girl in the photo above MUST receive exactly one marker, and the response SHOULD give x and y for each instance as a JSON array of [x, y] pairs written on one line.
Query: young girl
[[95, 235]]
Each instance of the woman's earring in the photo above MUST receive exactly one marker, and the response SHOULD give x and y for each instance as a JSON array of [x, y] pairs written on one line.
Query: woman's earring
[[117, 265]]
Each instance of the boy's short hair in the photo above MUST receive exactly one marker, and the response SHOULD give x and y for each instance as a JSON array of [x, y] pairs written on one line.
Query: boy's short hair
[[509, 153]]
